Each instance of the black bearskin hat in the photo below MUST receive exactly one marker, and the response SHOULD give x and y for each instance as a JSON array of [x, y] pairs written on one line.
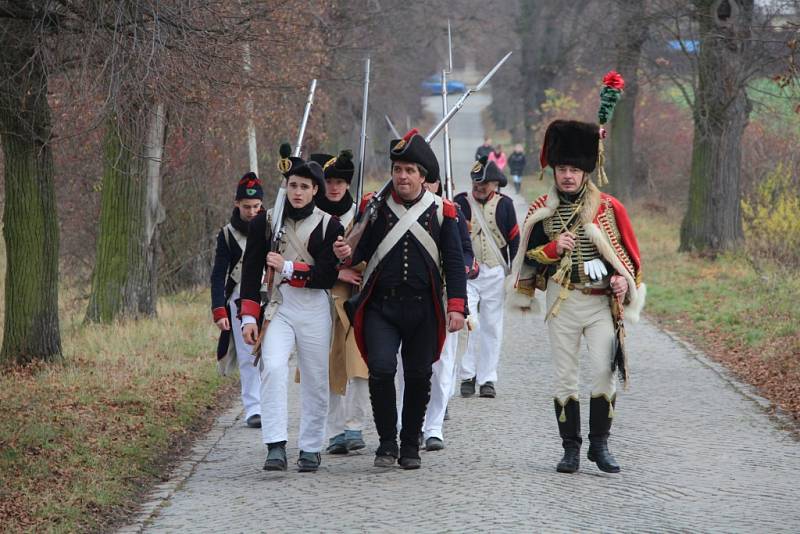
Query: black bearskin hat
[[571, 143]]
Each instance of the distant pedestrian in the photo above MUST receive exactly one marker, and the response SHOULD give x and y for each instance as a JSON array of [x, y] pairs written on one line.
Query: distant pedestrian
[[516, 166], [498, 157], [485, 149]]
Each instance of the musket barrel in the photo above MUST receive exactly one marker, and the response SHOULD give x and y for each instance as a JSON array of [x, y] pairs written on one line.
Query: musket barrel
[[280, 196], [362, 148], [447, 182]]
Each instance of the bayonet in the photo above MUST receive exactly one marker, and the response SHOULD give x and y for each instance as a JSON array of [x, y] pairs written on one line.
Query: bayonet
[[362, 148], [392, 127]]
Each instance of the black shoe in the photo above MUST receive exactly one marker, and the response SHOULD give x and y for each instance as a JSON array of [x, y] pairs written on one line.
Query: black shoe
[[384, 460], [308, 462], [409, 457], [601, 413], [337, 445], [354, 440], [487, 390], [254, 421], [409, 463], [468, 387], [276, 457], [571, 461], [568, 416], [386, 455], [434, 444]]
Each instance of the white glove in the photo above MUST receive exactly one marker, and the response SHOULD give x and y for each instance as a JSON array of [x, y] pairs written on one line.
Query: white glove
[[595, 269], [288, 270]]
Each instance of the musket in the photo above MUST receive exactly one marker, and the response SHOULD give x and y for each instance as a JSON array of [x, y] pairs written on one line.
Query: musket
[[392, 126], [447, 183], [277, 217], [362, 148], [371, 209]]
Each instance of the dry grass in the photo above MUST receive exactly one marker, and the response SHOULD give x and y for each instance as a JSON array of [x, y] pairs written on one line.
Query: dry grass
[[747, 320], [79, 440]]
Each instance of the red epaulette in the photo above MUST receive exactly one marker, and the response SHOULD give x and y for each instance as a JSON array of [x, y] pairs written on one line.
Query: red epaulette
[[364, 200], [449, 209]]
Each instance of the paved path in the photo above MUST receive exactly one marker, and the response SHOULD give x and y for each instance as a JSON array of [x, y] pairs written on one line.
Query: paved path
[[697, 453]]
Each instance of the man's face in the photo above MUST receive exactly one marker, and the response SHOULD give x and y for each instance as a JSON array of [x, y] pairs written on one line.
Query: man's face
[[487, 142], [335, 188], [569, 179], [300, 190], [481, 191], [248, 208], [407, 179]]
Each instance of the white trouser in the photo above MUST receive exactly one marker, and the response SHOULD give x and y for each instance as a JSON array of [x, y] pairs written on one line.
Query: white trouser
[[248, 374], [349, 411], [441, 388], [304, 321], [485, 295], [590, 316]]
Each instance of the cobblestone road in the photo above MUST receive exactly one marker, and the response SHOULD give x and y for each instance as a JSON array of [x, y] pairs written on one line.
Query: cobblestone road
[[697, 454]]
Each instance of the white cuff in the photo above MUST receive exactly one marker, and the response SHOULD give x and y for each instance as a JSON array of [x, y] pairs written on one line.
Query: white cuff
[[248, 319], [288, 269]]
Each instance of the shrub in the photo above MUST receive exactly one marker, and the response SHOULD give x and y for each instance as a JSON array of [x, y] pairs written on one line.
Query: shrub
[[771, 218]]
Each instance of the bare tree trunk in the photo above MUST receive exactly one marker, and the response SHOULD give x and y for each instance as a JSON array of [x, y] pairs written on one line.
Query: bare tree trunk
[[31, 327], [124, 282], [546, 43], [713, 220], [621, 159]]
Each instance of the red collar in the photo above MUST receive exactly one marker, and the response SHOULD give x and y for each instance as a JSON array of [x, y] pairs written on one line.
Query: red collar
[[400, 200]]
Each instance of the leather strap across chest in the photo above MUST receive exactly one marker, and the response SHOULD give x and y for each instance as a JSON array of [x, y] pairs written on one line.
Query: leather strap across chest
[[491, 234], [407, 222]]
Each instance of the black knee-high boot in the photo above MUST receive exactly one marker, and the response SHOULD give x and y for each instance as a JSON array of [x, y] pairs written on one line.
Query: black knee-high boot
[[569, 426], [601, 413], [384, 411], [416, 395]]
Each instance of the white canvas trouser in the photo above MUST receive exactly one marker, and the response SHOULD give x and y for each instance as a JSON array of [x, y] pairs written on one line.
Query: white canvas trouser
[[304, 320], [485, 295], [248, 374], [441, 388], [581, 315], [349, 411]]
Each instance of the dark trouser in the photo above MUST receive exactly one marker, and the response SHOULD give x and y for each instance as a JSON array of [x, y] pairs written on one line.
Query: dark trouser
[[388, 322]]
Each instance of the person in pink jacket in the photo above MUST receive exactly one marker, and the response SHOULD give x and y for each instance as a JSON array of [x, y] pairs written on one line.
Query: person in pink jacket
[[498, 157]]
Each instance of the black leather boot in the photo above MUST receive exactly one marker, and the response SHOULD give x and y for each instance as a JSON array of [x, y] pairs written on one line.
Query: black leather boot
[[415, 400], [601, 413], [569, 426], [384, 411], [276, 456]]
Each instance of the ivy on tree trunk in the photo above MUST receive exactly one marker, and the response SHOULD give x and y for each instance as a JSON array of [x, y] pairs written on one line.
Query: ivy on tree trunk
[[621, 167], [713, 218], [31, 327], [124, 281]]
